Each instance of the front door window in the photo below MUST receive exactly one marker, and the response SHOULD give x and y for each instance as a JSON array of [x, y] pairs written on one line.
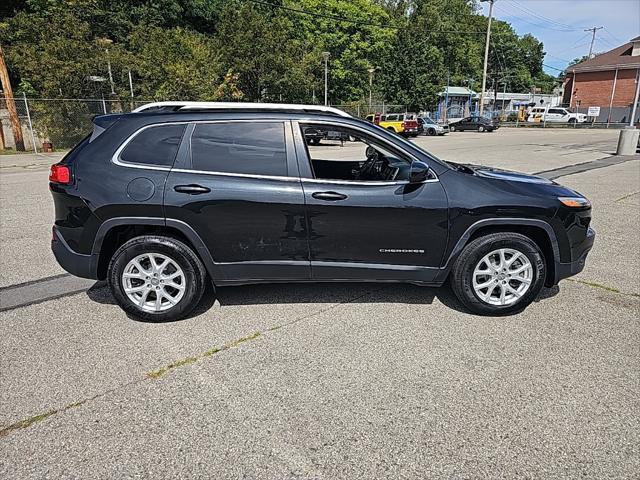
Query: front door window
[[339, 153]]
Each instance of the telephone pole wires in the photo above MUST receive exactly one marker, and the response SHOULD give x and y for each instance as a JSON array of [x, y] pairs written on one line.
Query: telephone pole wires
[[593, 37]]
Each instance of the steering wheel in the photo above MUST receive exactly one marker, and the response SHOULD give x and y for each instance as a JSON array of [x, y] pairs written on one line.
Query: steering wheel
[[370, 166]]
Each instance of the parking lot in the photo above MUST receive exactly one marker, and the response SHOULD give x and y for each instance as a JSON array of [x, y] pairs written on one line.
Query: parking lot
[[330, 380]]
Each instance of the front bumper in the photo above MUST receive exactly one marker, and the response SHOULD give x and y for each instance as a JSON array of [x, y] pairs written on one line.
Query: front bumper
[[566, 270], [77, 264]]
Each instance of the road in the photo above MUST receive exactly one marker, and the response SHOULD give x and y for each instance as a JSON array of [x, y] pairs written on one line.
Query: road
[[332, 381]]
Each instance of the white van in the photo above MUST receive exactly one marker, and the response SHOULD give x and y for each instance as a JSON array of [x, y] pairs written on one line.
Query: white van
[[555, 115]]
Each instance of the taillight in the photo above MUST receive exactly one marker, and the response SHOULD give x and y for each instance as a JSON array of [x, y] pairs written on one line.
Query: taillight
[[60, 174]]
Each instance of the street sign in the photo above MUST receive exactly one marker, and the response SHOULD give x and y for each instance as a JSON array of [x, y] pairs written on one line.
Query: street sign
[[593, 112]]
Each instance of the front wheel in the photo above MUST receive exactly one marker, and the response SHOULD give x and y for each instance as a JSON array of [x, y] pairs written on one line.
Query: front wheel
[[431, 132], [481, 128], [156, 278], [498, 274]]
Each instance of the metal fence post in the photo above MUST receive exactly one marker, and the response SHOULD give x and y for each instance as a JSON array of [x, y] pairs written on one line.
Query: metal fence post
[[26, 107]]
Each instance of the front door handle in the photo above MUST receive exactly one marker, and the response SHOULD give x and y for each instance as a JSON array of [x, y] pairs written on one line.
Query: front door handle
[[191, 189], [329, 196]]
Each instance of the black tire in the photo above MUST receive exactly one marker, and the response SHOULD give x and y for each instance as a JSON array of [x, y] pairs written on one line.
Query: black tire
[[481, 128], [452, 128], [573, 120], [315, 141], [431, 132], [463, 268], [177, 251]]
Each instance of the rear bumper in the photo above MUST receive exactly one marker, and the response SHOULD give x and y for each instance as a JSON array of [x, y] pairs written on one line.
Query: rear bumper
[[566, 270], [77, 264]]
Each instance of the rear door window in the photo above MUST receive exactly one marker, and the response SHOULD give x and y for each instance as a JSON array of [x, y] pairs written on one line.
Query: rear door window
[[253, 148], [156, 145]]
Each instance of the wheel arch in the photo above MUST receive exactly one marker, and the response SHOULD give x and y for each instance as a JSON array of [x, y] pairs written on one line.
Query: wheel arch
[[115, 231], [538, 231]]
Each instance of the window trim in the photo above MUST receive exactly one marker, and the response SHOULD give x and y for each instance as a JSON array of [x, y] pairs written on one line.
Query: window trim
[[297, 128], [146, 166], [292, 164]]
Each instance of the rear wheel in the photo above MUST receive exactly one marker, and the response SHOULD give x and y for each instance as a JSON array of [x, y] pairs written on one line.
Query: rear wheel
[[573, 120], [156, 278], [498, 274], [391, 129], [452, 128]]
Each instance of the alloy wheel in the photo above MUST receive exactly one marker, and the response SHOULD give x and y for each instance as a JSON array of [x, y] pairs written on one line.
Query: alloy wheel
[[502, 277], [154, 282]]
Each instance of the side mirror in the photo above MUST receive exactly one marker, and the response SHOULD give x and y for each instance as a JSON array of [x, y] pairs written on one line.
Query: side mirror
[[419, 172]]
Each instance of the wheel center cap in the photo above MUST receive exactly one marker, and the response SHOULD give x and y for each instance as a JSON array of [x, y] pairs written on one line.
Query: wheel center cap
[[502, 276], [155, 282]]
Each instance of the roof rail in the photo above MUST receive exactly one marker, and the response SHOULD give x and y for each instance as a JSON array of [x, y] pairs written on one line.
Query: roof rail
[[186, 106]]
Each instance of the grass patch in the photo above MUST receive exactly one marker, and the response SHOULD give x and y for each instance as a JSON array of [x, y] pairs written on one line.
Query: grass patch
[[627, 196], [154, 374], [27, 422], [597, 285]]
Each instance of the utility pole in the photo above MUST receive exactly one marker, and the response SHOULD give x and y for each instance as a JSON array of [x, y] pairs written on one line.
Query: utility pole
[[486, 55], [635, 100], [593, 37], [326, 55], [371, 71], [16, 128]]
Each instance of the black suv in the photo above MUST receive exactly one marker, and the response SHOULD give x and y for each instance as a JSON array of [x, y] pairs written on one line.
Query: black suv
[[172, 196]]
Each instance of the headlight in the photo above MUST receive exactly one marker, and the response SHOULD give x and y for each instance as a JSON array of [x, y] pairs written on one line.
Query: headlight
[[575, 202]]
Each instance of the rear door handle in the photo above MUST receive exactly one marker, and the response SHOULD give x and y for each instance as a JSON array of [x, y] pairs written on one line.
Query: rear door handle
[[329, 196], [191, 189]]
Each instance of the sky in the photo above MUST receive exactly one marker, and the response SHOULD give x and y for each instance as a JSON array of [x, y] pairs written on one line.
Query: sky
[[560, 25]]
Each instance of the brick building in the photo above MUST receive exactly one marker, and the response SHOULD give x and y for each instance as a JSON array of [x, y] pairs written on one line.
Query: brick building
[[607, 81]]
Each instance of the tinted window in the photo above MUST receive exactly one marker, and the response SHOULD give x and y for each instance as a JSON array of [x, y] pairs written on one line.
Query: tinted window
[[254, 148], [156, 145]]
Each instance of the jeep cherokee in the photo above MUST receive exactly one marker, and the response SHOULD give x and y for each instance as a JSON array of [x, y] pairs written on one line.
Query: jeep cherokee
[[169, 197]]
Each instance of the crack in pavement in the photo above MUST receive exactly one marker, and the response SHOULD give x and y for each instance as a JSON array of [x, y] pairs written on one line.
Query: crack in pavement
[[567, 170], [155, 374]]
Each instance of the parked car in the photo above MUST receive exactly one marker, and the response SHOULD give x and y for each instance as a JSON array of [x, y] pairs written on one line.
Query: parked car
[[396, 122], [430, 127], [477, 123], [164, 200], [555, 115]]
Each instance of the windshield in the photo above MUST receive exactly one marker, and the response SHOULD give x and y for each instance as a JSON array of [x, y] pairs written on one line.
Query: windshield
[[428, 120]]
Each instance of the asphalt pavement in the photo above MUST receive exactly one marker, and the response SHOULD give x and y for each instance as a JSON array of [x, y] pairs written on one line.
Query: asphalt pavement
[[331, 380]]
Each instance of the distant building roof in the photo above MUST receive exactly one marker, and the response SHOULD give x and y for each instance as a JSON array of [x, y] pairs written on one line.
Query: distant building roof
[[459, 91], [621, 57]]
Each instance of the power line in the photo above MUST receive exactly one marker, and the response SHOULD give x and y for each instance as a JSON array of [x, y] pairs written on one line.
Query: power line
[[613, 36], [512, 15], [528, 11], [553, 68]]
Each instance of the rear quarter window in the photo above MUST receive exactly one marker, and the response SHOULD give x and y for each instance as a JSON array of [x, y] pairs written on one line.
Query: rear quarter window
[[156, 145], [256, 148]]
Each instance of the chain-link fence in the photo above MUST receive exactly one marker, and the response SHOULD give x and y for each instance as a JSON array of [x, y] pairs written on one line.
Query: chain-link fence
[[59, 124]]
